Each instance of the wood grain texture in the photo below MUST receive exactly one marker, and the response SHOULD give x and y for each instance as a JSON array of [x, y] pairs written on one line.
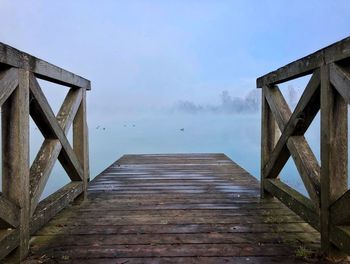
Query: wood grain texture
[[340, 79], [340, 210], [81, 139], [303, 157], [301, 205], [300, 120], [327, 182], [333, 53], [8, 82], [9, 212], [56, 144], [269, 135], [22, 186], [9, 240], [53, 204], [42, 69], [174, 208], [334, 154], [15, 157]]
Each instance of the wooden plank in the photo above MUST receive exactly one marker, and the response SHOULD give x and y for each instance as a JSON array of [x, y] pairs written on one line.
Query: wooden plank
[[183, 211], [53, 204], [185, 219], [300, 120], [195, 189], [68, 158], [41, 242], [307, 166], [334, 154], [49, 125], [41, 169], [340, 210], [306, 65], [80, 140], [284, 228], [278, 106], [175, 250], [298, 203], [178, 210], [340, 79], [56, 144], [42, 69], [8, 82], [69, 109], [9, 240], [191, 260], [120, 203], [15, 156], [243, 208], [298, 147], [59, 126], [269, 134], [340, 236], [9, 212]]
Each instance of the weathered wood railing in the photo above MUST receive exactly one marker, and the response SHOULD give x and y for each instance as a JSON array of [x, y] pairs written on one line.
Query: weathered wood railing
[[21, 213], [328, 208]]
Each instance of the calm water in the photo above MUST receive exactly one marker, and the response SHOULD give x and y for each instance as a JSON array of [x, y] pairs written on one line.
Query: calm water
[[236, 135]]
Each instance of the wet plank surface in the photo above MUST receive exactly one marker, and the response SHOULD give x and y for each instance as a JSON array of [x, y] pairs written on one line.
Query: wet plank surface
[[179, 208]]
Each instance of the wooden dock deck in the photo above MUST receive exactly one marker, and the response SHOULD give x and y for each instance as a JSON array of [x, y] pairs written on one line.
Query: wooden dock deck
[[179, 208]]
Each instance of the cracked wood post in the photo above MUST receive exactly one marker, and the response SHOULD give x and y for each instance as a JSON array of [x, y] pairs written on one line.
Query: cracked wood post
[[334, 155], [269, 137], [80, 140], [15, 157]]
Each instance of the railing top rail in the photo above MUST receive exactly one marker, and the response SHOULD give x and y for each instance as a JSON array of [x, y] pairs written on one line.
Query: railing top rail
[[338, 51], [42, 69]]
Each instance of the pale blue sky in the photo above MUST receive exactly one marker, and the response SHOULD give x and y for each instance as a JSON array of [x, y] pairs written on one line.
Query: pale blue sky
[[150, 54]]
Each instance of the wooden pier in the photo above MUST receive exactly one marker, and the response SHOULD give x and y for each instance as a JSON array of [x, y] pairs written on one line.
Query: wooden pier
[[175, 208], [185, 208]]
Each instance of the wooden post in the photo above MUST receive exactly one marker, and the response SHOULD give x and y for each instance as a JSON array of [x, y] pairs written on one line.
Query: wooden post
[[269, 134], [15, 157], [334, 155], [80, 140]]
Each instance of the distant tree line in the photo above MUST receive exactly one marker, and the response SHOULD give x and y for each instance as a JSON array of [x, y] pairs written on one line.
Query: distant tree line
[[251, 103]]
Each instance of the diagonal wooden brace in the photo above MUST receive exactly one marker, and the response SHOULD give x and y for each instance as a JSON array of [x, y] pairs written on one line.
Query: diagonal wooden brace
[[300, 120], [340, 79], [56, 144], [298, 147], [8, 83]]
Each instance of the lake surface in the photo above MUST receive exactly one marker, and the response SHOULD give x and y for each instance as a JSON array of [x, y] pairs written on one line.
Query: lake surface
[[236, 135]]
